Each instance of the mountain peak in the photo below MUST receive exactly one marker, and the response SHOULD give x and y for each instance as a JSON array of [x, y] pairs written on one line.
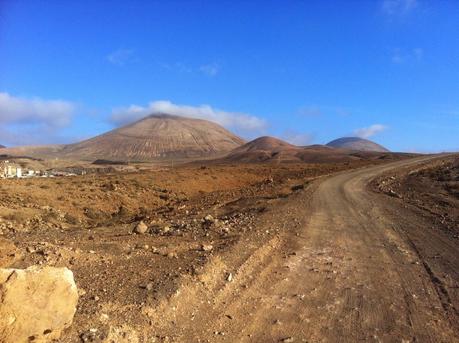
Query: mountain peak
[[158, 136], [356, 143]]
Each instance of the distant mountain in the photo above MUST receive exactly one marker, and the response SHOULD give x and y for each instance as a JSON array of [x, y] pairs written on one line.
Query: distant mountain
[[2, 146], [159, 136], [265, 143], [270, 149], [357, 144], [260, 150]]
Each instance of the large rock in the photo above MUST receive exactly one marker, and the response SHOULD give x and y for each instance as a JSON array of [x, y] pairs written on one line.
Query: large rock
[[36, 304]]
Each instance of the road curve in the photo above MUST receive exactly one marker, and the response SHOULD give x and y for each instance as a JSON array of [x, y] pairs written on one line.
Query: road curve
[[353, 267]]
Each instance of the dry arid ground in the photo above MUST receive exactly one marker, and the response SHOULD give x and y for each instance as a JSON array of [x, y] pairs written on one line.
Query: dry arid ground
[[344, 252]]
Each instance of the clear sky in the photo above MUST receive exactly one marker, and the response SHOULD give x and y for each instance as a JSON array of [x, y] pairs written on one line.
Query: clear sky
[[305, 71]]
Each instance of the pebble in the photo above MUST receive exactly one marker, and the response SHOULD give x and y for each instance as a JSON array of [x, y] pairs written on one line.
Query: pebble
[[207, 247], [172, 255]]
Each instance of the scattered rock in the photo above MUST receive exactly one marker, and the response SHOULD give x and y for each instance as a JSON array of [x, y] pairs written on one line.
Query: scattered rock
[[122, 334], [141, 228], [149, 286], [36, 303], [104, 317], [209, 218], [393, 193], [92, 335], [207, 247], [172, 255]]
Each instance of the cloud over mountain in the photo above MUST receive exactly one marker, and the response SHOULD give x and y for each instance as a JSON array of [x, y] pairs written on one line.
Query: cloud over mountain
[[370, 131], [235, 120]]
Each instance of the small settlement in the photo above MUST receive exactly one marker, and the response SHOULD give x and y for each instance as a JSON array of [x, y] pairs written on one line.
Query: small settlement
[[14, 170], [10, 170]]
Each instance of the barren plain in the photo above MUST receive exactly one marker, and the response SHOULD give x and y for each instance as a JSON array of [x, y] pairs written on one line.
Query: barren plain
[[248, 252]]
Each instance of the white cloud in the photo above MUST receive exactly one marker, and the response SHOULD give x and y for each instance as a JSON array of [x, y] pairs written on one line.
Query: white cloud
[[120, 57], [418, 53], [32, 120], [211, 69], [370, 131], [400, 56], [51, 113], [297, 138], [179, 67], [397, 57], [318, 111], [399, 7], [236, 120], [310, 111]]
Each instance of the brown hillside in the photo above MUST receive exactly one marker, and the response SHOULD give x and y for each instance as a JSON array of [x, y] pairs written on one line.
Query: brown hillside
[[156, 137], [269, 149], [160, 136]]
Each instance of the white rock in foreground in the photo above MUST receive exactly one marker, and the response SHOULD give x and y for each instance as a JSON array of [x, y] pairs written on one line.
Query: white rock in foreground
[[36, 304]]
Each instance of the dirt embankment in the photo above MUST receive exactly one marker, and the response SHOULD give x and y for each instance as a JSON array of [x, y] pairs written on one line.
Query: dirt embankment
[[432, 187]]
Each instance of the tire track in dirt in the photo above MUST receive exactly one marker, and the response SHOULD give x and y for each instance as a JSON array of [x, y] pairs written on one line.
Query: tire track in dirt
[[344, 272]]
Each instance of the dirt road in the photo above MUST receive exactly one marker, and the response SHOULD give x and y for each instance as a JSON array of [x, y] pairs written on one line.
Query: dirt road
[[347, 265]]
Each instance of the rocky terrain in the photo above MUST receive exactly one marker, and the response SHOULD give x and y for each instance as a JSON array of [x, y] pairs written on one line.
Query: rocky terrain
[[259, 252], [131, 254], [357, 144]]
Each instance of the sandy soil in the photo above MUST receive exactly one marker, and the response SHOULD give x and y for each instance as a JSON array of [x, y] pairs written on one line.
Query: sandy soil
[[291, 253]]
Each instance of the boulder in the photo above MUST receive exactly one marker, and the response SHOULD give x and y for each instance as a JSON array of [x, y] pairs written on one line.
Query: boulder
[[36, 304]]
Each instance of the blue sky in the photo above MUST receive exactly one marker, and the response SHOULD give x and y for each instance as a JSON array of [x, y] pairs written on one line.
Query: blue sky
[[305, 71]]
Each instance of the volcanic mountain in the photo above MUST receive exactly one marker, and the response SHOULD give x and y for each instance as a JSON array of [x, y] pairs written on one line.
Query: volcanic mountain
[[158, 136], [357, 144], [155, 137]]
